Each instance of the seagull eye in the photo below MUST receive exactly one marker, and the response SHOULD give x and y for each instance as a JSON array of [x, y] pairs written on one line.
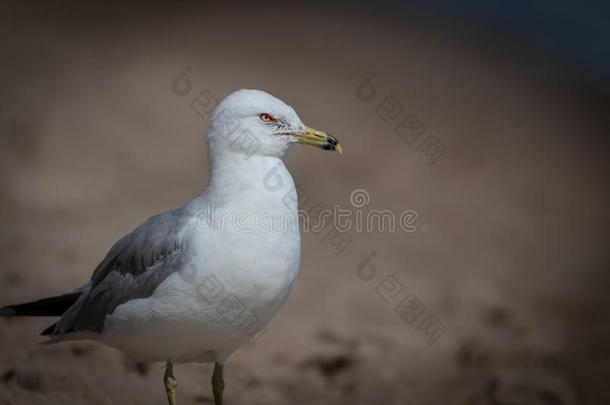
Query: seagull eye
[[266, 117]]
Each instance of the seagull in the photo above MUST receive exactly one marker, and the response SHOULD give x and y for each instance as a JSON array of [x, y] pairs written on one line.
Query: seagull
[[196, 283]]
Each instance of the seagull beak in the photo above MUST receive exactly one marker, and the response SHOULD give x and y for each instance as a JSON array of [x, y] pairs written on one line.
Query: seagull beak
[[321, 139]]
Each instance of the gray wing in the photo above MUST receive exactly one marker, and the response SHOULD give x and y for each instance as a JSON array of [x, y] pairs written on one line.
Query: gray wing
[[133, 268]]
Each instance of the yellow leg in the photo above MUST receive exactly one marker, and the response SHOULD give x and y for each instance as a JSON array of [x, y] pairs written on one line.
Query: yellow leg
[[218, 384], [170, 383]]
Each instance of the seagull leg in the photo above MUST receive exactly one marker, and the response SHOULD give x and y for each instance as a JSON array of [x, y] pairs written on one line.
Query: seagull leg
[[170, 383], [218, 384]]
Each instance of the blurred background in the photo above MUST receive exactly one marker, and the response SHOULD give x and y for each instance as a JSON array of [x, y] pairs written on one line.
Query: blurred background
[[488, 120]]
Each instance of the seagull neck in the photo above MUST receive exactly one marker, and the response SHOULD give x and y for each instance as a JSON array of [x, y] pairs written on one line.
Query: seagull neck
[[237, 176]]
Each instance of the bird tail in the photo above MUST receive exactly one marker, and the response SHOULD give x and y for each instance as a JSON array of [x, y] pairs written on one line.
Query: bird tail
[[53, 306]]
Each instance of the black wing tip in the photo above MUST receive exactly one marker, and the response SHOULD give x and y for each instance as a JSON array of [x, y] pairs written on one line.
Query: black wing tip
[[7, 311], [52, 306], [50, 331]]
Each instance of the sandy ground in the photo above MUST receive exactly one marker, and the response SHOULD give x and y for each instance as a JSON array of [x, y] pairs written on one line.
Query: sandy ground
[[509, 252]]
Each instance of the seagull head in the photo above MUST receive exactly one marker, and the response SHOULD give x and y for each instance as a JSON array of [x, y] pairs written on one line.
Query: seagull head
[[253, 122]]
